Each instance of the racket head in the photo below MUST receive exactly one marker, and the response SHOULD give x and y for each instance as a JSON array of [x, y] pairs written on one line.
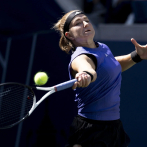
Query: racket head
[[16, 100]]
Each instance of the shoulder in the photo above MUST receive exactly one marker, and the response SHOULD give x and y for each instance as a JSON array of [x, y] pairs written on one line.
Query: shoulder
[[81, 57], [79, 51], [103, 45]]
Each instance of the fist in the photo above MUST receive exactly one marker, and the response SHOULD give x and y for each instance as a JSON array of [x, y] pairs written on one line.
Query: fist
[[83, 80]]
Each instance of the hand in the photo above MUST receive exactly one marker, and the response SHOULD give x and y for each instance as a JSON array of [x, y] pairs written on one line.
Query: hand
[[83, 80], [140, 49]]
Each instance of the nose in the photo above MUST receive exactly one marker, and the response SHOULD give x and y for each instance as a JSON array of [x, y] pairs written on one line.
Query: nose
[[85, 23]]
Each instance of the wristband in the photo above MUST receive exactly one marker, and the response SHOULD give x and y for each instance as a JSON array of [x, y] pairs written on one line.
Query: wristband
[[89, 74], [135, 57]]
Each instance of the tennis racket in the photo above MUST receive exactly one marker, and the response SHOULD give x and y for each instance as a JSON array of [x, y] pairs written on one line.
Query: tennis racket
[[18, 101]]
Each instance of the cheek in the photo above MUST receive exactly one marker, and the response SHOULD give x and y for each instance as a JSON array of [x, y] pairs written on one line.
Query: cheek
[[76, 31], [93, 32], [92, 29]]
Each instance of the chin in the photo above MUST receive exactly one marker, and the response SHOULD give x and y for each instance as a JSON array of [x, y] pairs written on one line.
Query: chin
[[90, 36]]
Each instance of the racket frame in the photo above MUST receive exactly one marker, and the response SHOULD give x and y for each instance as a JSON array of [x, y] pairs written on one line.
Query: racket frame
[[34, 106], [34, 100], [51, 90]]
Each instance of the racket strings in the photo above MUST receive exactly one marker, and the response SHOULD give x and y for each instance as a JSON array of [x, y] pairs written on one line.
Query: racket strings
[[15, 102]]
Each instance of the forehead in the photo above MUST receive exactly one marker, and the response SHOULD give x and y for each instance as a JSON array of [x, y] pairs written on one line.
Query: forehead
[[78, 17]]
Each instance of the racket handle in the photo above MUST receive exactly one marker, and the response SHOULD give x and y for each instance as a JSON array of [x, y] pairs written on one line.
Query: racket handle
[[65, 85]]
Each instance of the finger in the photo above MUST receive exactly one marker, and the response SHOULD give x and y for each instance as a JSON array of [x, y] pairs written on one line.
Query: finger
[[79, 81], [78, 77], [74, 86], [83, 80], [87, 80], [135, 42], [144, 46]]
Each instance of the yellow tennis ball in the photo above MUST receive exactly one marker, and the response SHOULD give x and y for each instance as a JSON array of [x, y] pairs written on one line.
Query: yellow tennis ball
[[41, 78]]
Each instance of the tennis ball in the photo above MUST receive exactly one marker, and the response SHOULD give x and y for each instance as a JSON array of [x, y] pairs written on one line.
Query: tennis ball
[[40, 78]]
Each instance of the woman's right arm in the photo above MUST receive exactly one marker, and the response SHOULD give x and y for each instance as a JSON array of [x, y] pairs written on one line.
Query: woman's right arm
[[78, 66]]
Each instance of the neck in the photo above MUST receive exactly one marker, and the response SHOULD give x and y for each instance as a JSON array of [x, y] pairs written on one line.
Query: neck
[[89, 44]]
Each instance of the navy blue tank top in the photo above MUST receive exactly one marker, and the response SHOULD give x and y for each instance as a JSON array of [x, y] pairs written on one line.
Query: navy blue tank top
[[101, 99]]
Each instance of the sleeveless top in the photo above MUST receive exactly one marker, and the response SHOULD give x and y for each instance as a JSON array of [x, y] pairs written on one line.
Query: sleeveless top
[[100, 100]]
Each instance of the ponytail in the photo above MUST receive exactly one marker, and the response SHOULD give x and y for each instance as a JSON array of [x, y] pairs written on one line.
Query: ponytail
[[64, 43]]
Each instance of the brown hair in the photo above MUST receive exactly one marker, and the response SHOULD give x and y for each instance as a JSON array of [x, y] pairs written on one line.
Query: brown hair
[[64, 43]]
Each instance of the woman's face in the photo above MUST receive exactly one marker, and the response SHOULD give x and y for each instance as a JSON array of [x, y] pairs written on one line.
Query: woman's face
[[81, 30]]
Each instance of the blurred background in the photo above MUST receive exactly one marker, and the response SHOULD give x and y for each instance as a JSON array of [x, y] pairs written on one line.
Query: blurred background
[[28, 45]]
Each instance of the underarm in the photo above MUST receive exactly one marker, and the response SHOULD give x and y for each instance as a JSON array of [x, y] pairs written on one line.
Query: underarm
[[93, 62]]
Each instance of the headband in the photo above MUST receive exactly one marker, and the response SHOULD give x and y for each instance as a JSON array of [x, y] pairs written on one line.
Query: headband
[[69, 19]]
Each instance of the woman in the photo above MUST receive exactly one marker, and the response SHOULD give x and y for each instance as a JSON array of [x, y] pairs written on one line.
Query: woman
[[97, 88]]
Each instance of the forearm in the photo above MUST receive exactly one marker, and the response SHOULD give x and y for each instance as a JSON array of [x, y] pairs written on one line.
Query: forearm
[[84, 63], [92, 72], [125, 61]]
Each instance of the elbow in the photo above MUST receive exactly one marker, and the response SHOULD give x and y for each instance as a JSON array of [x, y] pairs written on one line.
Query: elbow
[[94, 76]]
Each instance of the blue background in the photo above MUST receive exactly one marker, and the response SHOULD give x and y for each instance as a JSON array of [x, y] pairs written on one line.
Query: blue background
[[49, 123]]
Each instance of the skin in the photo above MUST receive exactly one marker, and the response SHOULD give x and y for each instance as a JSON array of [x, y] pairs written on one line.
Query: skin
[[126, 60], [81, 33]]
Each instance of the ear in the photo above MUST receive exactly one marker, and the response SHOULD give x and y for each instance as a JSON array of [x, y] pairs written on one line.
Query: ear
[[68, 35]]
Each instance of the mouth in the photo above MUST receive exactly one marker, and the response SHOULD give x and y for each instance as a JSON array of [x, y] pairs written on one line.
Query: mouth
[[87, 31]]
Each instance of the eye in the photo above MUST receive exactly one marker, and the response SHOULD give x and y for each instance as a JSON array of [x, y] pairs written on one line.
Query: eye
[[78, 23]]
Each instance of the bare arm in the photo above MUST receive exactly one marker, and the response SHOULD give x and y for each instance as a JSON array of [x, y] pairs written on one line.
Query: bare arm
[[125, 61], [79, 65]]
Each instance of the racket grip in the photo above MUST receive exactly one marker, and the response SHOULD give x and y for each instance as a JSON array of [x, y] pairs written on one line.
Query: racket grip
[[65, 85]]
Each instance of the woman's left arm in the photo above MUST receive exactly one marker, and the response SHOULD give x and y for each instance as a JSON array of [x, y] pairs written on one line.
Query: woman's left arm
[[126, 60]]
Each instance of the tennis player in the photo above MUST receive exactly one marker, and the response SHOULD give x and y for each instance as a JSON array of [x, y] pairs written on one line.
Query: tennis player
[[97, 91]]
